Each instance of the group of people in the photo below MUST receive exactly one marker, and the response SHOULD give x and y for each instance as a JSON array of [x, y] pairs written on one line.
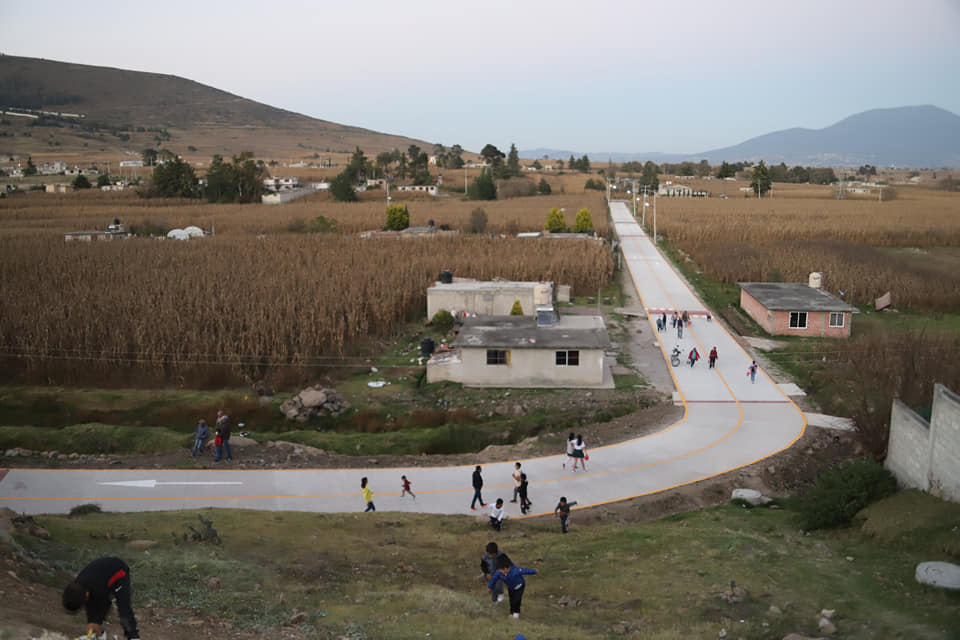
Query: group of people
[[221, 439], [694, 355], [677, 321]]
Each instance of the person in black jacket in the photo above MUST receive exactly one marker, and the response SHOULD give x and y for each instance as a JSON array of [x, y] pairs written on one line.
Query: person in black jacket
[[477, 485], [93, 587]]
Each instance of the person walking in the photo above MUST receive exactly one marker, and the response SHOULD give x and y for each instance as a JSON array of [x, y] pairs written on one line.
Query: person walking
[[497, 514], [367, 495], [579, 453], [200, 438], [562, 511], [752, 372], [223, 436], [93, 588], [512, 576], [488, 564], [571, 440], [477, 486], [405, 484], [693, 357], [685, 318], [679, 330], [674, 319], [516, 480], [524, 496], [713, 357], [663, 321]]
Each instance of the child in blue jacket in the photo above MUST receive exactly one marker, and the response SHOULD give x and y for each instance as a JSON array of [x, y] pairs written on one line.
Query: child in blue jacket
[[512, 576]]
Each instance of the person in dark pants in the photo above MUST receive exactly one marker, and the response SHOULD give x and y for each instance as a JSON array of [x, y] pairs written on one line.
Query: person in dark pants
[[512, 576], [713, 357], [367, 495], [524, 497], [203, 432], [488, 564], [93, 587], [223, 436], [477, 486], [562, 510]]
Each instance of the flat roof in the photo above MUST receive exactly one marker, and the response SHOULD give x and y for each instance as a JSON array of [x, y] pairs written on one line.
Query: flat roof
[[793, 296], [467, 284], [522, 332]]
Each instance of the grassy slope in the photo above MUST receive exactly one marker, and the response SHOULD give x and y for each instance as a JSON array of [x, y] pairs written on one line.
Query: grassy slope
[[404, 576]]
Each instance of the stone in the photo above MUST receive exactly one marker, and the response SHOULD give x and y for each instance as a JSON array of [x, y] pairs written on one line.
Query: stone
[[828, 613], [826, 626], [939, 574], [751, 496], [774, 610], [140, 544], [298, 618]]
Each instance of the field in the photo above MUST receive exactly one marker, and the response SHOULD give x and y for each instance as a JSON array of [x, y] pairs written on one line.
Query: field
[[750, 572]]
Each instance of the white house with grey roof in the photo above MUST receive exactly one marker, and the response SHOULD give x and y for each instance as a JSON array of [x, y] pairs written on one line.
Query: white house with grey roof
[[541, 351]]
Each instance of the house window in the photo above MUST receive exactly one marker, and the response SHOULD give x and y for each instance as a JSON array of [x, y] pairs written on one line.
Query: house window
[[568, 358], [836, 319], [798, 319], [496, 356]]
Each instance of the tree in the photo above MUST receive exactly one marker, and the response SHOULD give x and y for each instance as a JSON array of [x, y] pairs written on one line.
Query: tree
[[220, 181], [543, 188], [454, 157], [760, 183], [703, 169], [516, 309], [398, 217], [556, 223], [513, 162], [483, 187], [649, 178], [583, 222], [30, 169], [149, 157], [560, 165], [572, 163], [341, 188], [81, 182], [172, 179], [103, 180], [584, 165], [249, 177], [357, 167], [726, 170]]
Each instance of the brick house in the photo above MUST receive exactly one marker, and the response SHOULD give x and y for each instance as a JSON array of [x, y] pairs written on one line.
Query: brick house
[[796, 309]]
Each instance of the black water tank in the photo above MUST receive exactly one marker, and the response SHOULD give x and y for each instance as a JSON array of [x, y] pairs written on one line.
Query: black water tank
[[427, 346], [446, 276]]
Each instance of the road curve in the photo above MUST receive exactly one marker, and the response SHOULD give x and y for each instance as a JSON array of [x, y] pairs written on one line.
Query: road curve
[[728, 423]]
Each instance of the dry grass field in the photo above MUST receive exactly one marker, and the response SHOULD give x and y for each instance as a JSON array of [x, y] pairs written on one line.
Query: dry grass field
[[785, 238]]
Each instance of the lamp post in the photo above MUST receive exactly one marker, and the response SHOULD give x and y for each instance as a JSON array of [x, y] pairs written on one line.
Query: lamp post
[[654, 217]]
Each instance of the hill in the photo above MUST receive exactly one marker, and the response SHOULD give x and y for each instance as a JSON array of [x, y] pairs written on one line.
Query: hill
[[922, 136], [126, 111]]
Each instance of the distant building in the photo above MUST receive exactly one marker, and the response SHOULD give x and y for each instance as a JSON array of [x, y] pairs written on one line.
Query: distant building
[[466, 296], [668, 189]]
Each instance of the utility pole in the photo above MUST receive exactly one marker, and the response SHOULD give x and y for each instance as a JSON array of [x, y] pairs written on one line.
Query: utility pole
[[654, 217]]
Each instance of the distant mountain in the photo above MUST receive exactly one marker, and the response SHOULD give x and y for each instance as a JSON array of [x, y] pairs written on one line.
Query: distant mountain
[[117, 103], [922, 136]]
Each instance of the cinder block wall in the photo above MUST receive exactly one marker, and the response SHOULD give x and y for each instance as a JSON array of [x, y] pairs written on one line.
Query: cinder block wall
[[945, 444], [926, 455]]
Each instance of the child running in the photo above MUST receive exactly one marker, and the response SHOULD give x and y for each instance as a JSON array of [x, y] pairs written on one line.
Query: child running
[[512, 577], [406, 488], [367, 495], [562, 510]]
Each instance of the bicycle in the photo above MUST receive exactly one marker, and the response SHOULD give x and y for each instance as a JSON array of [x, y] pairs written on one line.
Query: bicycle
[[675, 357]]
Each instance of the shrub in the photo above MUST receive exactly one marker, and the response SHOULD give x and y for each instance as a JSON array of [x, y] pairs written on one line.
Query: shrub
[[583, 221], [321, 224], [839, 493], [442, 321], [596, 184], [398, 218], [544, 187], [478, 221], [556, 223], [517, 309], [84, 509]]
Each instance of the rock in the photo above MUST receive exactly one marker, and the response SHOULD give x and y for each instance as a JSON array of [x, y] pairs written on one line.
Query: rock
[[774, 610], [140, 544], [722, 634], [314, 401], [12, 453], [751, 496], [241, 442], [214, 582], [826, 626], [38, 532], [939, 574], [620, 629], [297, 618], [828, 613]]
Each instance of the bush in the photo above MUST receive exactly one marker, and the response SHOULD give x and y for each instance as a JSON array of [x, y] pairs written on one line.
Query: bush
[[544, 188], [556, 223], [583, 221], [321, 224], [597, 184], [517, 309], [839, 493], [84, 509], [442, 321], [478, 221], [398, 218]]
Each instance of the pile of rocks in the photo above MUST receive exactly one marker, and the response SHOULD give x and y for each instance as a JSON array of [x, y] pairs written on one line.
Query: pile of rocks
[[314, 402]]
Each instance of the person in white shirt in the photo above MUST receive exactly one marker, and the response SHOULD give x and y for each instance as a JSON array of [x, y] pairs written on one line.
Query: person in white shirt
[[497, 514], [571, 440], [579, 453]]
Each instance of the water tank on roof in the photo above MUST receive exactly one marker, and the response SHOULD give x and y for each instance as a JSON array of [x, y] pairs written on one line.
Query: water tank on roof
[[427, 346], [816, 280], [446, 276]]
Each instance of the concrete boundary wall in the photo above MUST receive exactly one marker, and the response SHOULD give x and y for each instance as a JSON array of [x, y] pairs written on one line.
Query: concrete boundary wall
[[926, 455]]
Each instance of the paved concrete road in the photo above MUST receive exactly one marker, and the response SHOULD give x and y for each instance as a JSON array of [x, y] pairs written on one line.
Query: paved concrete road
[[728, 423]]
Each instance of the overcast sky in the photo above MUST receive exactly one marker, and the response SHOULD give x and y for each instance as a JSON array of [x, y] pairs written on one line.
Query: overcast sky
[[641, 76]]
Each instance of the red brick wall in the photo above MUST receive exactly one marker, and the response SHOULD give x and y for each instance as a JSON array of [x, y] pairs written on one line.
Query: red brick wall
[[778, 322]]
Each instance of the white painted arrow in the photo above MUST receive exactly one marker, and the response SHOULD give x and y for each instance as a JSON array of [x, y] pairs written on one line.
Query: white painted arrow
[[150, 484]]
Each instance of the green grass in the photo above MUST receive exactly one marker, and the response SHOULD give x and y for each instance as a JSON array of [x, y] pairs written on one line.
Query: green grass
[[664, 578]]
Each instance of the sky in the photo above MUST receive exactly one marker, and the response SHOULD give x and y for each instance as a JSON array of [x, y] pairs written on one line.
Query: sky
[[603, 76]]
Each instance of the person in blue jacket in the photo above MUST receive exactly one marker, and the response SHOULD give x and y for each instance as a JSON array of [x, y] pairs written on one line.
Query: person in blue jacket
[[512, 576]]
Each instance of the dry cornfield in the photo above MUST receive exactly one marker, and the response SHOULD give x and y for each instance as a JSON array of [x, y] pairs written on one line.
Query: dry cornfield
[[851, 242], [235, 308], [94, 210]]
